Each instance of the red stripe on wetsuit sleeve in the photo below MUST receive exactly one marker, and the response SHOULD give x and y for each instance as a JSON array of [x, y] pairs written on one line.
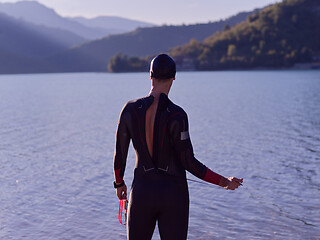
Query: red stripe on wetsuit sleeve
[[212, 177], [119, 179]]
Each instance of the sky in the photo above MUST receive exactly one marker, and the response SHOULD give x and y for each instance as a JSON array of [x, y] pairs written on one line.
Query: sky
[[158, 12]]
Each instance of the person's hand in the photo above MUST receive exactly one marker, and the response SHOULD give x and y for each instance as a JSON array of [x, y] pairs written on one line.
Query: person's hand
[[233, 183], [122, 192]]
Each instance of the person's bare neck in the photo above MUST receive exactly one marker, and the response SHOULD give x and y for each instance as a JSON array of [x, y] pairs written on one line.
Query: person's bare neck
[[160, 87]]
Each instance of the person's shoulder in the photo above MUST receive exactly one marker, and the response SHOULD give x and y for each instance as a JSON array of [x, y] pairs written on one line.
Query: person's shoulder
[[134, 103], [176, 110]]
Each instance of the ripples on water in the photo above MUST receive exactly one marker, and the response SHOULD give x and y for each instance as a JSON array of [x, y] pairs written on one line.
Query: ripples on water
[[57, 140]]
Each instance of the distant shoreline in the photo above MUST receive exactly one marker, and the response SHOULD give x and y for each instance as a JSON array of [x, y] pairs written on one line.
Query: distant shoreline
[[298, 66]]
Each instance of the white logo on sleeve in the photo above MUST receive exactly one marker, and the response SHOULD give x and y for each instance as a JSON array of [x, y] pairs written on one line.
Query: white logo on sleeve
[[184, 135]]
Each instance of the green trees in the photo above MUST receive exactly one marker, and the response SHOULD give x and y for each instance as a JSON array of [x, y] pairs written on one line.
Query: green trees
[[278, 36], [123, 63]]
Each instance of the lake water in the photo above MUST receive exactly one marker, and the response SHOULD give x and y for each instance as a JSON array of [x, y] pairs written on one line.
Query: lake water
[[57, 141]]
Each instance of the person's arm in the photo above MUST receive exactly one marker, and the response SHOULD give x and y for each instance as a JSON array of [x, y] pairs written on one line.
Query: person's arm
[[179, 130], [230, 183], [120, 154]]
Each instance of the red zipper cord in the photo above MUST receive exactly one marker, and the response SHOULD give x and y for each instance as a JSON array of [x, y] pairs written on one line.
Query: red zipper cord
[[120, 211], [121, 204]]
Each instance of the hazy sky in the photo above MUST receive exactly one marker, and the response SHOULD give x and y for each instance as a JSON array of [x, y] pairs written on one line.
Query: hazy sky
[[158, 12]]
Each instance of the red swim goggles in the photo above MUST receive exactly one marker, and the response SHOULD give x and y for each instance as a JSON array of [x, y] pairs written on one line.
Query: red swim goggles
[[123, 206]]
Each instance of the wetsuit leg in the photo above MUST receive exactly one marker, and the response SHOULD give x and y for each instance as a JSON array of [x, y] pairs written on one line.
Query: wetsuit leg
[[157, 197], [141, 212], [174, 214]]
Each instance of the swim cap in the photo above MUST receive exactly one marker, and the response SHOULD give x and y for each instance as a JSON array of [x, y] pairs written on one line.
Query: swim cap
[[163, 67]]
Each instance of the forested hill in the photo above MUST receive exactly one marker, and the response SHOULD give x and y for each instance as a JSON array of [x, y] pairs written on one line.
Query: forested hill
[[94, 55], [278, 36]]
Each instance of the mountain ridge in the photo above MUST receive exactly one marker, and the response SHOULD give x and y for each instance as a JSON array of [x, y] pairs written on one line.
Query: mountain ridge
[[36, 13], [26, 39], [94, 55], [109, 23]]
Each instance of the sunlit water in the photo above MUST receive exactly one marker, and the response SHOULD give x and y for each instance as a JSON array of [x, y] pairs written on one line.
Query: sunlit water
[[57, 141]]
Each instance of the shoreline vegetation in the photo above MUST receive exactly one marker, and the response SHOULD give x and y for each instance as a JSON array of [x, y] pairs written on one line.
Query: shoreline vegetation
[[285, 35], [125, 64]]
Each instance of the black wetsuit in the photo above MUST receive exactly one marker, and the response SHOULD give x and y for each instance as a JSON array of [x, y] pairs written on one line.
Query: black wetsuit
[[159, 190]]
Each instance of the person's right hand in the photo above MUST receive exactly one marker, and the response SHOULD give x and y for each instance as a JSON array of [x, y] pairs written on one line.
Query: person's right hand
[[234, 183], [122, 192]]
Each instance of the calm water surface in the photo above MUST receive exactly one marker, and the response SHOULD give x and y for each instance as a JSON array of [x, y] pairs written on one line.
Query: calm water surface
[[57, 141]]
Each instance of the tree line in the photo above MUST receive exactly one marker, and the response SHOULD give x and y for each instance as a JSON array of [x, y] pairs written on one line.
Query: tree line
[[278, 36]]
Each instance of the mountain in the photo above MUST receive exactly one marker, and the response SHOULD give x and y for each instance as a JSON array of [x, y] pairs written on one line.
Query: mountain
[[23, 45], [36, 13], [31, 40], [94, 55], [278, 36], [114, 25]]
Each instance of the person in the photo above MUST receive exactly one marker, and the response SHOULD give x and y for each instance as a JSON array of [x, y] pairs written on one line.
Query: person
[[159, 132]]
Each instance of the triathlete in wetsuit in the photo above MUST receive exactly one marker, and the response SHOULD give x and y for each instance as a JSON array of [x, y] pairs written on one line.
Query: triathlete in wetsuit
[[159, 131]]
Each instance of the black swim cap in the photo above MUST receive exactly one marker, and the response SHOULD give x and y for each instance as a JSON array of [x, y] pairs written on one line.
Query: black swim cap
[[163, 67]]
